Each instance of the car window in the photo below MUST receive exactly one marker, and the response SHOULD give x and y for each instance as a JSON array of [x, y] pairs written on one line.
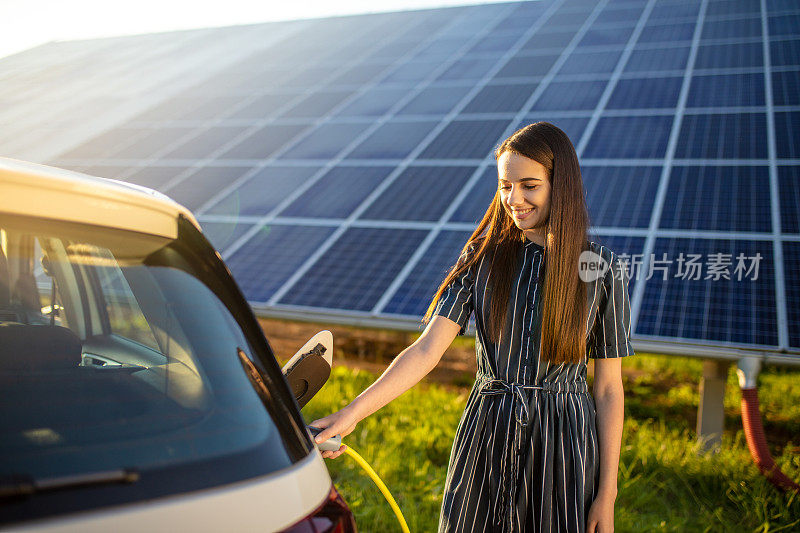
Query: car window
[[137, 366]]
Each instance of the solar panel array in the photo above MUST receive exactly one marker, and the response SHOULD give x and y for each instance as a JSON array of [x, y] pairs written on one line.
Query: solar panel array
[[341, 169]]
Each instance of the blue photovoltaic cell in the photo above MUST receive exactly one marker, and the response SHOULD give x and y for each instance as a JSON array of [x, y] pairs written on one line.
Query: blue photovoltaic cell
[[726, 90], [620, 196], [435, 101], [719, 198], [338, 192], [271, 257], [527, 66], [317, 104], [545, 40], [373, 103], [477, 200], [466, 139], [574, 127], [655, 59], [672, 10], [267, 105], [500, 99], [441, 48], [787, 134], [416, 292], [644, 93], [264, 142], [668, 33], [611, 14], [223, 234], [419, 194], [393, 140], [494, 43], [516, 22], [354, 273], [733, 135], [729, 56], [590, 62], [325, 141], [726, 8], [202, 185], [570, 95], [789, 194], [791, 268], [784, 25], [628, 248], [359, 74], [786, 88], [469, 68], [785, 53], [731, 29], [153, 141], [263, 191], [203, 145], [411, 71], [606, 36], [105, 144], [568, 17], [685, 307], [630, 137], [774, 6], [152, 176]]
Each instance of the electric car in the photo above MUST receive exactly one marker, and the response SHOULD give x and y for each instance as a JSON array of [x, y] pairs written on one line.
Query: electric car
[[137, 390]]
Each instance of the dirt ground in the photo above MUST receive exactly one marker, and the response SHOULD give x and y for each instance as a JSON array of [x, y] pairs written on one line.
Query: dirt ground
[[374, 349], [370, 349]]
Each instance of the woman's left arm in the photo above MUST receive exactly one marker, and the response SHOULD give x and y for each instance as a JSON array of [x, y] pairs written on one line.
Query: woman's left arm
[[609, 401]]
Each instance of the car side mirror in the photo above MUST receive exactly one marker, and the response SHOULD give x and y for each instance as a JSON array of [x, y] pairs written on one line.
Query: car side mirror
[[309, 369]]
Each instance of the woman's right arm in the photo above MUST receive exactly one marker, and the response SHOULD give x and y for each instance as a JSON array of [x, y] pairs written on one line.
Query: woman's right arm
[[405, 371]]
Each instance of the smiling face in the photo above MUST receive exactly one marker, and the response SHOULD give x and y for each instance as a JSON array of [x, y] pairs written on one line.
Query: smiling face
[[524, 188]]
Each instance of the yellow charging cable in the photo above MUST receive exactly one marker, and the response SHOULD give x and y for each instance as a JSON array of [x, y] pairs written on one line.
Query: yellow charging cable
[[388, 495]]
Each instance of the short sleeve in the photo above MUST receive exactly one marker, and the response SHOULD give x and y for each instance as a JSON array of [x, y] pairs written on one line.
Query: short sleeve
[[456, 300], [611, 335]]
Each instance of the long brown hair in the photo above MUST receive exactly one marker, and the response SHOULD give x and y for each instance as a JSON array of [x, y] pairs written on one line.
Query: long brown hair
[[564, 306]]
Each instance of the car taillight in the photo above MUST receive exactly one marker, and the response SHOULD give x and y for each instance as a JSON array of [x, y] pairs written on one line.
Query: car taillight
[[333, 516]]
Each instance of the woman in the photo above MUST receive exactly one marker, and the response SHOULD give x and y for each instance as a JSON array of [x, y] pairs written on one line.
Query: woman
[[534, 450]]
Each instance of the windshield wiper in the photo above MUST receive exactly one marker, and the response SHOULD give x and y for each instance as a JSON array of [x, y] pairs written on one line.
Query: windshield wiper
[[17, 485]]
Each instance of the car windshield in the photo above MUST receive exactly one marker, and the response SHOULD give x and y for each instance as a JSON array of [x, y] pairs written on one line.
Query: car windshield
[[115, 357]]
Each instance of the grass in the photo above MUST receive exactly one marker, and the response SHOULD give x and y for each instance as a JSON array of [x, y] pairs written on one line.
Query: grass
[[665, 484]]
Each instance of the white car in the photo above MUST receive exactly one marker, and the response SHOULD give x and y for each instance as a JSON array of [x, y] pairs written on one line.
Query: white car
[[137, 390]]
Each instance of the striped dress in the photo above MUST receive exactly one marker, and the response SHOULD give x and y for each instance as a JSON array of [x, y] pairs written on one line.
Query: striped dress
[[525, 455]]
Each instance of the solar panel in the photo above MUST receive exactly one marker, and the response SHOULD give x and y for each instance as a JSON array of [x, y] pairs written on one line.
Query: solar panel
[[338, 193], [718, 198], [642, 137], [426, 193], [723, 135], [274, 255], [414, 295], [681, 298], [339, 164], [611, 199], [356, 270], [393, 140], [262, 191]]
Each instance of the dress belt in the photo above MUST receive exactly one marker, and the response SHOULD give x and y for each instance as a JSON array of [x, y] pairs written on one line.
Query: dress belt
[[488, 386]]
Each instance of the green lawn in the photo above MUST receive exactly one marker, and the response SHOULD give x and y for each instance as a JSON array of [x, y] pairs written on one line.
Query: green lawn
[[664, 484]]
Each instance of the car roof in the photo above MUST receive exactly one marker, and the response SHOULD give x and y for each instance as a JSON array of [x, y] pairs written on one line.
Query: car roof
[[38, 190]]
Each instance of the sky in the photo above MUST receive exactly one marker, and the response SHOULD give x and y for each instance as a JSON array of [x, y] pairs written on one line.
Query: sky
[[29, 23]]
